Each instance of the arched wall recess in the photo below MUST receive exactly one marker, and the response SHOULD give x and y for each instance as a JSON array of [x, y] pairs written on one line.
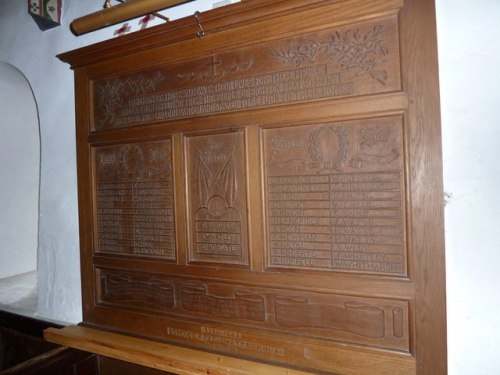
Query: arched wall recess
[[19, 172]]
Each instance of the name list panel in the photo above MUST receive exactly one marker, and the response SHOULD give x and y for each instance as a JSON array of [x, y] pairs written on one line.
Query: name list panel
[[335, 196], [134, 199]]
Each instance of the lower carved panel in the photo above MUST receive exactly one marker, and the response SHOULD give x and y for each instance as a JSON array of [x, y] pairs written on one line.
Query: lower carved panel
[[376, 322], [124, 290], [242, 305], [363, 320]]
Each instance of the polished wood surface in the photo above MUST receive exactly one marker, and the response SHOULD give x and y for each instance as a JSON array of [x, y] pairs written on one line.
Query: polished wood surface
[[271, 191], [161, 356], [120, 13]]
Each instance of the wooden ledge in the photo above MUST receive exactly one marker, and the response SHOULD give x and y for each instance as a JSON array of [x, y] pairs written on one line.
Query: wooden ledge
[[157, 355]]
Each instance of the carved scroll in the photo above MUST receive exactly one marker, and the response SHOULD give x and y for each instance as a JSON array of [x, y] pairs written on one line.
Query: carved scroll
[[363, 320], [242, 305], [122, 289], [377, 322]]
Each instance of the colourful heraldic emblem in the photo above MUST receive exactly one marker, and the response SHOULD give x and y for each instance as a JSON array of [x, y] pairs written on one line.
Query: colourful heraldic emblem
[[46, 13]]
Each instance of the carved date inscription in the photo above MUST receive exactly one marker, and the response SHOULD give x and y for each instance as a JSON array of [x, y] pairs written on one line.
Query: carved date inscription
[[217, 195], [134, 199], [351, 60], [224, 339], [335, 196]]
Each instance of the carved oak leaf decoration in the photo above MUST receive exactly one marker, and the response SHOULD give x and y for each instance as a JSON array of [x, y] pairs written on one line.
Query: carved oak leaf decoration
[[351, 50]]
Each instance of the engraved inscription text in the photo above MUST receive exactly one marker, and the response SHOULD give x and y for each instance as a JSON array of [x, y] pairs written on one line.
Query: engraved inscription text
[[134, 197], [335, 197]]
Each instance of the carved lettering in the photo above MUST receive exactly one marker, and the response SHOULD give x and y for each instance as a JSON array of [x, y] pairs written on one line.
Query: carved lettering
[[217, 196], [326, 211], [222, 341], [273, 73], [135, 199]]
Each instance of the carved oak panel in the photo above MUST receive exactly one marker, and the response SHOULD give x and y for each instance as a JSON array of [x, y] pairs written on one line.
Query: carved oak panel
[[134, 199], [351, 60], [378, 322], [335, 196], [217, 198]]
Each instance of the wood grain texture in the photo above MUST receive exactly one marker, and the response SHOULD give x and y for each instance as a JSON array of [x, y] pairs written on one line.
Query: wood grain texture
[[425, 179], [164, 357], [186, 361]]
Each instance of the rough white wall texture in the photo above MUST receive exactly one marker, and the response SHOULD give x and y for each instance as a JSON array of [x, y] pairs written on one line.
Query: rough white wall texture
[[470, 92], [18, 293], [19, 173], [469, 57], [23, 45]]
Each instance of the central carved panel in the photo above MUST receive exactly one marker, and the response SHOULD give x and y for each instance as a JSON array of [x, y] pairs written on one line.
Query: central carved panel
[[217, 198]]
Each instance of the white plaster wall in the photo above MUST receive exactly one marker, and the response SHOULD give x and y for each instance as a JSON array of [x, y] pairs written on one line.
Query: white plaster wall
[[23, 45], [470, 92], [469, 57], [19, 173]]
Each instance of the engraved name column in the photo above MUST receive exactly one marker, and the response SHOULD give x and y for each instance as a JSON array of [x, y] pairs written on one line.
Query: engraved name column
[[299, 219], [134, 195], [366, 221]]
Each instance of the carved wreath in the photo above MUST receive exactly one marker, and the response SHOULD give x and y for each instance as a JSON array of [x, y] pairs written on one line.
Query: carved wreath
[[330, 145]]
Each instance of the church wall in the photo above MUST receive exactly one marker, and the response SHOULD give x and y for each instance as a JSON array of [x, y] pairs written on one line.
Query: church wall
[[20, 164], [469, 57]]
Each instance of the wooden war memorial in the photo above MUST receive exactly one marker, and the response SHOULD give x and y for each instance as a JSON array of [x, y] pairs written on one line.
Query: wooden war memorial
[[268, 191]]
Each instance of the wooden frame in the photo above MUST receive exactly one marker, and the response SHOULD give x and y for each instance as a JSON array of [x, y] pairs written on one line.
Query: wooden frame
[[172, 108]]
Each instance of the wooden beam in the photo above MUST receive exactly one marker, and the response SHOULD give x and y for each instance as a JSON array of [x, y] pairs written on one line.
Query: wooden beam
[[119, 13], [157, 355]]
